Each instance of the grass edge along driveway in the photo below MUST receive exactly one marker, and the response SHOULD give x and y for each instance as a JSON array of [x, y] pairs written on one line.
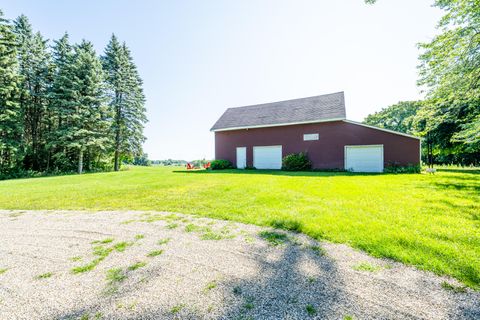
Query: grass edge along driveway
[[429, 221]]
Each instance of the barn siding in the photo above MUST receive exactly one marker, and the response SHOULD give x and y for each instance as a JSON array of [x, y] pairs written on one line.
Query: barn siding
[[325, 153]]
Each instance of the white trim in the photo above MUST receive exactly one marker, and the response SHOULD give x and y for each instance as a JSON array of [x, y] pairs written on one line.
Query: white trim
[[277, 124], [381, 129], [362, 146], [420, 153]]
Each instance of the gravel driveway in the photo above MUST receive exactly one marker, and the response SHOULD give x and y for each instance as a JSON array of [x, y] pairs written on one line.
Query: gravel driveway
[[150, 265]]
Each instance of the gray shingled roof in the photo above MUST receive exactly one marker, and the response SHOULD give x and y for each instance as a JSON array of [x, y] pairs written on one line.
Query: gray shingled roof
[[311, 109]]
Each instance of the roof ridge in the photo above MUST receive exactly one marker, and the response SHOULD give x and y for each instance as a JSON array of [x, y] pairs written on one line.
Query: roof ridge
[[288, 100]]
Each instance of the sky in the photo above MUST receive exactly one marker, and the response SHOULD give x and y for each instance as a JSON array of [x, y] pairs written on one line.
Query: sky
[[198, 58]]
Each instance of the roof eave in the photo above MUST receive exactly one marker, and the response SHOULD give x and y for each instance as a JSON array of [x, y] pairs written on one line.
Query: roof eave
[[276, 124]]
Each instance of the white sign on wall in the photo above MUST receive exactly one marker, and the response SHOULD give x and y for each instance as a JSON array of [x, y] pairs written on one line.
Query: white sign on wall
[[310, 136]]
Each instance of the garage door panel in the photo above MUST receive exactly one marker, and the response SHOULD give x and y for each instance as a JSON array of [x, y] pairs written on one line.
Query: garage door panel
[[267, 157], [364, 158]]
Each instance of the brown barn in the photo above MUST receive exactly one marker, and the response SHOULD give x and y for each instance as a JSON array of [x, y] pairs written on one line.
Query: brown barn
[[261, 135]]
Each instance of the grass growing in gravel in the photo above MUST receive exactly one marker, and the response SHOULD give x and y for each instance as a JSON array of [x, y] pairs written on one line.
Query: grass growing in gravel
[[101, 252], [87, 267], [365, 266], [163, 241], [137, 265], [317, 250], [453, 288], [122, 246], [429, 221], [311, 310], [273, 238], [248, 303], [115, 275], [104, 241], [44, 275], [207, 233], [237, 290], [3, 270], [177, 308], [211, 285], [139, 237], [154, 253]]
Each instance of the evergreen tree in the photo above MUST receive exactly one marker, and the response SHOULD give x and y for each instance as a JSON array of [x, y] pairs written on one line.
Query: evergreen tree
[[127, 100], [10, 116], [63, 99], [35, 63], [88, 123]]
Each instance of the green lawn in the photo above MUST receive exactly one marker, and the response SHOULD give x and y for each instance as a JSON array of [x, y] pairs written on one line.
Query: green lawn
[[431, 221]]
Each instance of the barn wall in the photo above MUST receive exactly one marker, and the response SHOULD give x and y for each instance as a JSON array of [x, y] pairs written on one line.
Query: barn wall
[[325, 153]]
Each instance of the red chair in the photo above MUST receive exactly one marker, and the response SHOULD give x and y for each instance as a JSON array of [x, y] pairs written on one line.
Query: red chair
[[190, 166], [206, 165]]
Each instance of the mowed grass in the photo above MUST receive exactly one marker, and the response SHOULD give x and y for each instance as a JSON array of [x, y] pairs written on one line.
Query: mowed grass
[[430, 221]]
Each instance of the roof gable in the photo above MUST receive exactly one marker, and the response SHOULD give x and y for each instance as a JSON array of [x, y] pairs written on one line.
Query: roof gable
[[326, 107]]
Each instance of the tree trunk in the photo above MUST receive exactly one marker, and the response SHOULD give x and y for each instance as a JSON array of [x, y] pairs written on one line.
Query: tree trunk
[[117, 164], [80, 161]]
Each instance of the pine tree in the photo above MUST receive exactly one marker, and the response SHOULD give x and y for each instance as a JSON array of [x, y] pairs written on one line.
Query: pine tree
[[89, 122], [35, 63], [127, 100], [135, 111], [10, 116], [62, 98]]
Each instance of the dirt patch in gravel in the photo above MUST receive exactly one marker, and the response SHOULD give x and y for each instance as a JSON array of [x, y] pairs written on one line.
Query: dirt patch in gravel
[[151, 265]]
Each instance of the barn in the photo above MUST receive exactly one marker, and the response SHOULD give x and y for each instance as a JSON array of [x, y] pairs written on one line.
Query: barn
[[261, 135]]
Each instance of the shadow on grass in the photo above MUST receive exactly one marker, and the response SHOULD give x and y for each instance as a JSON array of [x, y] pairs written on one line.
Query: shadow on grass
[[280, 173], [466, 170]]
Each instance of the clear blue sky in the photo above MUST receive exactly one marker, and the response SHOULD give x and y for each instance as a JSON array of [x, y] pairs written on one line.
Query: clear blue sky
[[199, 57]]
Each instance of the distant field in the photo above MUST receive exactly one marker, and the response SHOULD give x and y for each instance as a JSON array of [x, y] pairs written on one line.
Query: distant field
[[430, 221]]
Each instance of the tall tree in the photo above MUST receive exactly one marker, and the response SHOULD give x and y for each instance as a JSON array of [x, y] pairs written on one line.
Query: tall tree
[[450, 71], [10, 115], [35, 63], [127, 100], [63, 98], [88, 123], [397, 117]]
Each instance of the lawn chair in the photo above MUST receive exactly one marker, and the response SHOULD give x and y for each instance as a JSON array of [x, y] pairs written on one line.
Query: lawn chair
[[206, 165], [190, 166]]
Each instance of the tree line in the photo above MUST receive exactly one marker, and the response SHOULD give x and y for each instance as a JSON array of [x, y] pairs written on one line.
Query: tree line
[[64, 108], [448, 119]]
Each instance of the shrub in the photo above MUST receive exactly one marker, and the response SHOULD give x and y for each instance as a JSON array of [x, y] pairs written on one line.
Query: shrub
[[296, 162], [220, 165], [395, 167]]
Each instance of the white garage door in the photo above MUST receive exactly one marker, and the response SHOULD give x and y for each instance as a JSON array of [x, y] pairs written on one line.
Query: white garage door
[[269, 157], [364, 158]]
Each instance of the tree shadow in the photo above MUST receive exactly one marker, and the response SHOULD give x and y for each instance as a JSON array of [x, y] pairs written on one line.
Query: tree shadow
[[466, 170], [291, 281], [279, 289], [280, 173]]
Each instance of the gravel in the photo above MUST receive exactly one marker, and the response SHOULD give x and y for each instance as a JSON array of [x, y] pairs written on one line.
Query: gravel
[[154, 265]]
